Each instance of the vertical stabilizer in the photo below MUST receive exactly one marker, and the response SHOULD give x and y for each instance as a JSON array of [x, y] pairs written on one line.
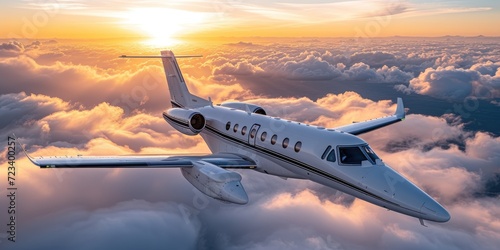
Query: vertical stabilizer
[[179, 93]]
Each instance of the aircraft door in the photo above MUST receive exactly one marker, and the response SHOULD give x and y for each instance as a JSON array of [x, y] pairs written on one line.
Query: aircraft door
[[252, 136]]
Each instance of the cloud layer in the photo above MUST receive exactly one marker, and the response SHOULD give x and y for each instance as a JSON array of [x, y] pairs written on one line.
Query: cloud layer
[[64, 106]]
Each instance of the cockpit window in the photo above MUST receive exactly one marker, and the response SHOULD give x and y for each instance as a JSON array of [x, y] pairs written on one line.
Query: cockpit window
[[326, 152], [331, 156], [351, 155], [370, 153]]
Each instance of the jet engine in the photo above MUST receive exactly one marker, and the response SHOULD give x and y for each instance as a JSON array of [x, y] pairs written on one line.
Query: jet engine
[[216, 182], [187, 121], [252, 108]]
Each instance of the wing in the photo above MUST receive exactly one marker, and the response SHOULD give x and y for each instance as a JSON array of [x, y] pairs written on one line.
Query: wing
[[223, 160], [367, 126]]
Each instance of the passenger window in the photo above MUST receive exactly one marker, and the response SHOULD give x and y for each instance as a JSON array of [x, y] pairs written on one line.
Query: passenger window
[[297, 147], [274, 139], [326, 152], [331, 156], [285, 143], [235, 129], [244, 130], [351, 155], [228, 125], [263, 136]]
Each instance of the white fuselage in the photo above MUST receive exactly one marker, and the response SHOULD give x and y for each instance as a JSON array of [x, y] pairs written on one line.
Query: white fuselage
[[239, 132]]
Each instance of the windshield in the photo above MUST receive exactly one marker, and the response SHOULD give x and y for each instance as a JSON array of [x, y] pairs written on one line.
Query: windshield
[[370, 153], [351, 155], [354, 155]]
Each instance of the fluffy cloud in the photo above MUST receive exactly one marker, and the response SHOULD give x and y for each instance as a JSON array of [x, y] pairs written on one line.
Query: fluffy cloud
[[126, 221], [240, 68], [136, 85], [11, 49], [457, 84], [44, 121], [310, 66], [15, 48], [363, 72], [375, 59], [487, 68]]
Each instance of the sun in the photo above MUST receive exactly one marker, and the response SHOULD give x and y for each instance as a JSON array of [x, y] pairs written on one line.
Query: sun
[[163, 25]]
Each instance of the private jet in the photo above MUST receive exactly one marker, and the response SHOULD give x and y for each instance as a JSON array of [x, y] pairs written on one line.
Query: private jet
[[242, 136]]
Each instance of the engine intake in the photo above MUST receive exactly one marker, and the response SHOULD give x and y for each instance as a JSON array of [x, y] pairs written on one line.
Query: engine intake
[[187, 121]]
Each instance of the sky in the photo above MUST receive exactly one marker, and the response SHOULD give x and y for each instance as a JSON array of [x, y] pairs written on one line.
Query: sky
[[64, 91], [228, 18]]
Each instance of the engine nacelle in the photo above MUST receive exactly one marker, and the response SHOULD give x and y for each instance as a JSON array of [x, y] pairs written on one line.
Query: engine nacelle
[[187, 121], [252, 108], [216, 182]]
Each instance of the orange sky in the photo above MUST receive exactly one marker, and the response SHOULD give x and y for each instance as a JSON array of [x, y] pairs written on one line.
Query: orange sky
[[365, 18]]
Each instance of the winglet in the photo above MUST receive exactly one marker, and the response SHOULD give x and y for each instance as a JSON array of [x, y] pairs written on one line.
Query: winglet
[[400, 110], [24, 150]]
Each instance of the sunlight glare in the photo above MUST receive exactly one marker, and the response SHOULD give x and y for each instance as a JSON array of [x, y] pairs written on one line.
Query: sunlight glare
[[161, 25]]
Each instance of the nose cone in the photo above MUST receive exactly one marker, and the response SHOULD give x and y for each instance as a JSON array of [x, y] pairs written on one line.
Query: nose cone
[[410, 199], [434, 211]]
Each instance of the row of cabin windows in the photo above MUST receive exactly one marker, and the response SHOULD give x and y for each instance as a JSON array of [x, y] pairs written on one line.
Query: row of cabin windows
[[263, 136]]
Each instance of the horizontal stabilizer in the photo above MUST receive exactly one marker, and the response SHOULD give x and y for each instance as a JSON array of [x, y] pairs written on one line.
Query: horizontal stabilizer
[[162, 56]]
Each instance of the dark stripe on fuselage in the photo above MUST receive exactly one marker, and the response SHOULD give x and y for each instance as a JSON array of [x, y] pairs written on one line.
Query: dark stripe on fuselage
[[180, 123]]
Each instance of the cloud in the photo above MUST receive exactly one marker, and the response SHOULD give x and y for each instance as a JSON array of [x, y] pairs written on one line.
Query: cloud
[[311, 66], [119, 226], [289, 214], [241, 68], [133, 85], [17, 109], [44, 121], [241, 43], [11, 49], [455, 84], [374, 59], [439, 154], [138, 89], [363, 72], [15, 48], [487, 68]]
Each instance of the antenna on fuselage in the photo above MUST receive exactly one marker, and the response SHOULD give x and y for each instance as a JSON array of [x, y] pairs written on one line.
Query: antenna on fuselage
[[210, 101], [422, 222]]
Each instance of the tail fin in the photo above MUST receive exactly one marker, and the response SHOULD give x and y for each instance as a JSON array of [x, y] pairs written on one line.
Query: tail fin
[[179, 93]]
